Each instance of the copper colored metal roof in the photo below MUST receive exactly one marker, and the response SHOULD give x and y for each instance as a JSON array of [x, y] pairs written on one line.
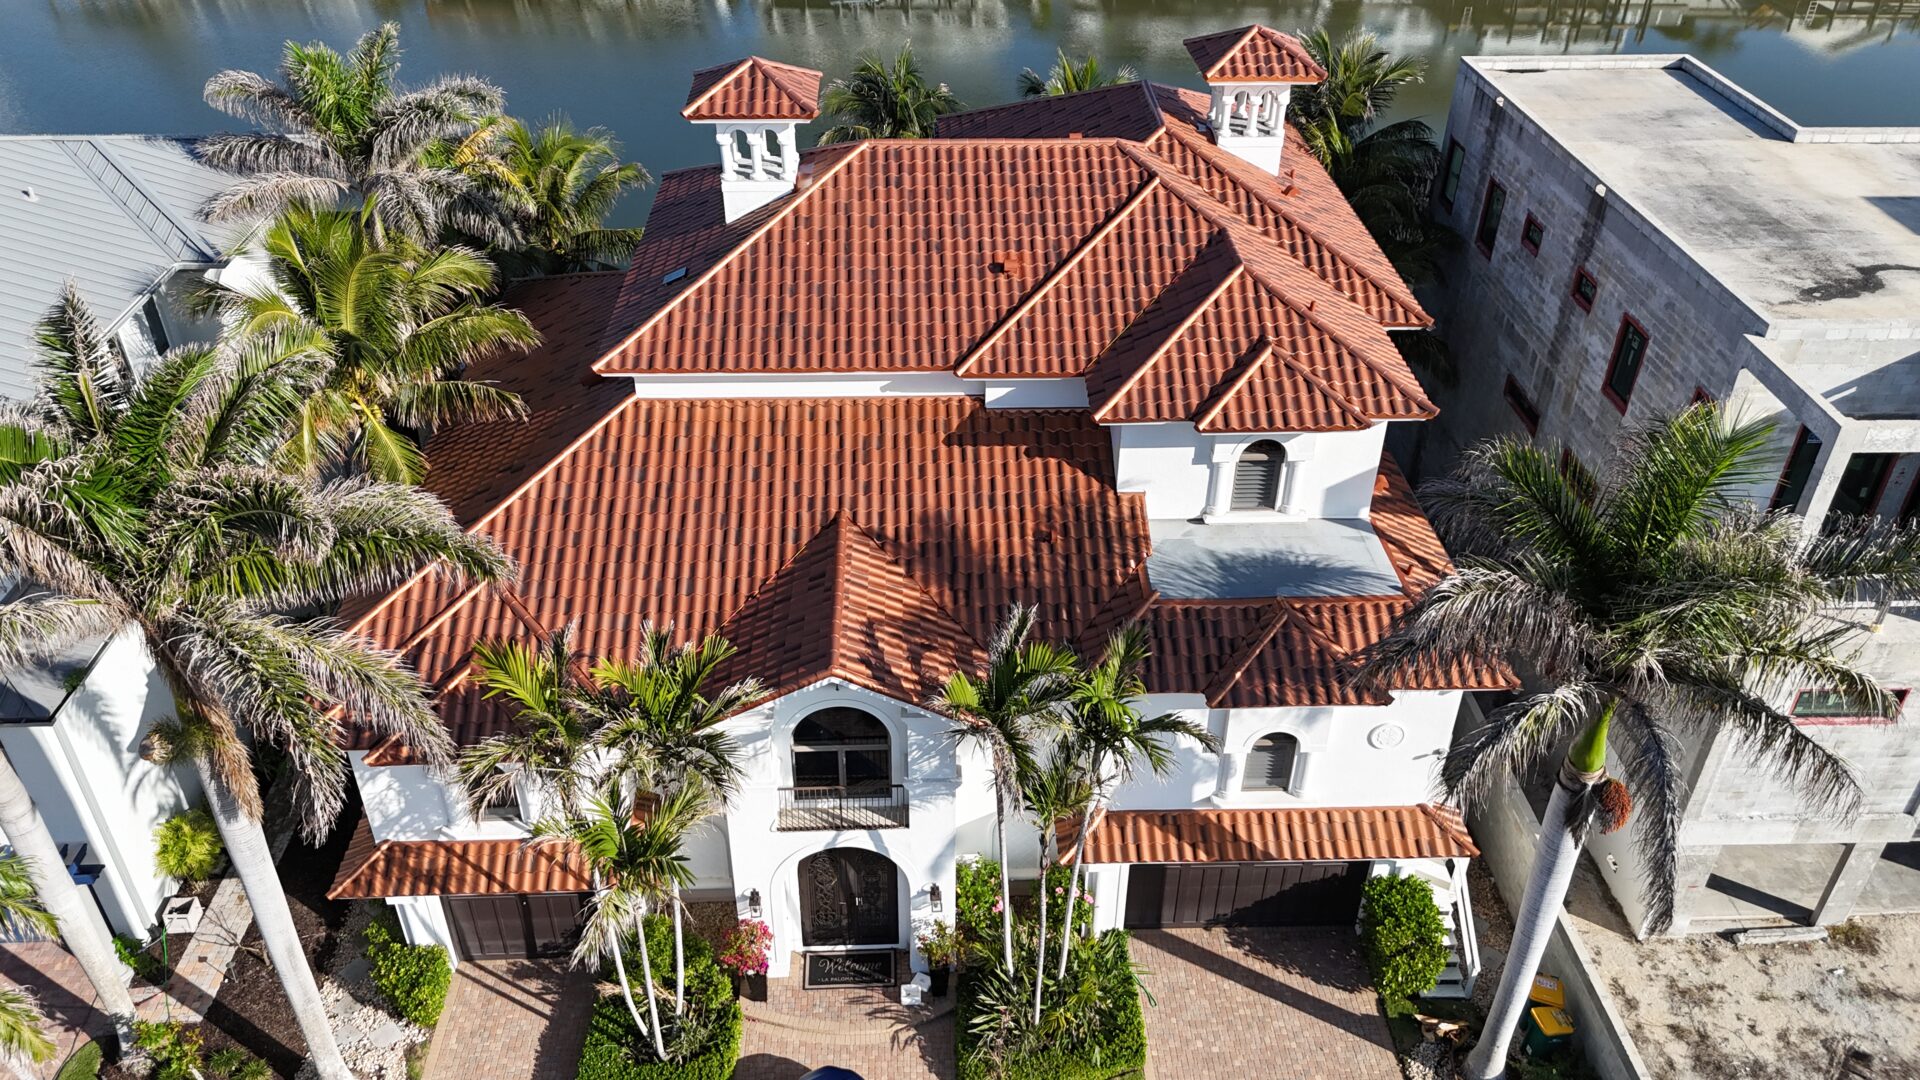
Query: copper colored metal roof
[[454, 868], [1290, 834], [754, 89], [1253, 54]]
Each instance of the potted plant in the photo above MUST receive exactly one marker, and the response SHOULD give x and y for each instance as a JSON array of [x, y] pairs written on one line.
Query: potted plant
[[941, 946], [744, 954]]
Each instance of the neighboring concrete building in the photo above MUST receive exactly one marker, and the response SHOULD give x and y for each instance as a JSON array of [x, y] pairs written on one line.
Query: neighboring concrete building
[[1123, 355], [119, 216], [1639, 234]]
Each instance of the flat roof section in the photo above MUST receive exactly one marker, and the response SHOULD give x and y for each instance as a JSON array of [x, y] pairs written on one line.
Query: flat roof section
[[1803, 224], [1241, 561]]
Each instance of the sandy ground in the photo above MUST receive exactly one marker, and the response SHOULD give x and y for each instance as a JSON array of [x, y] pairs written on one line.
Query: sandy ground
[[1702, 1007]]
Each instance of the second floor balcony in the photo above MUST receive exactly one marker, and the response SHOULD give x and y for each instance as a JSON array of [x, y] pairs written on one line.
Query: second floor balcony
[[853, 806]]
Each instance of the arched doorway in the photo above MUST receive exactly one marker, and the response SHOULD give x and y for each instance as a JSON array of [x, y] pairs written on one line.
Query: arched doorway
[[849, 897]]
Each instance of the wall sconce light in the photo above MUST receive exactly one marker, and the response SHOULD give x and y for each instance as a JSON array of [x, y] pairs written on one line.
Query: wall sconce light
[[933, 897], [753, 903]]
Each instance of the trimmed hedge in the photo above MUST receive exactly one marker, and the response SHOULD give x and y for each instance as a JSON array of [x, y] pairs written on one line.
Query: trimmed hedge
[[1120, 1039], [413, 978], [614, 1047], [187, 846], [1402, 936]]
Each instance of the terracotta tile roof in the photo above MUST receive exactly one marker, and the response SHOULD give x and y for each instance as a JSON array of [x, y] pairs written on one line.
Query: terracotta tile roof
[[1253, 54], [1279, 834], [453, 868], [754, 89]]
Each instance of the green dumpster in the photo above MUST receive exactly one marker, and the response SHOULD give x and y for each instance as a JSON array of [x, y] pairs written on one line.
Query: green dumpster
[[1548, 1028]]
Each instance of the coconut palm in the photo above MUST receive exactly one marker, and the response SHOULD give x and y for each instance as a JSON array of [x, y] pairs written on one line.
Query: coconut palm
[[885, 101], [1106, 731], [1055, 790], [1070, 76], [1002, 710], [635, 861], [1654, 607], [559, 185], [147, 506], [345, 133], [662, 725], [396, 321], [552, 738], [1384, 171], [24, 1042]]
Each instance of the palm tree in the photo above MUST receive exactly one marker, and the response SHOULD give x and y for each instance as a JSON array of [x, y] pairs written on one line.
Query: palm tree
[[396, 322], [147, 505], [1070, 76], [663, 728], [1106, 730], [1001, 711], [882, 101], [552, 740], [1385, 171], [345, 132], [24, 1041], [634, 863], [560, 185], [1058, 787], [1655, 607]]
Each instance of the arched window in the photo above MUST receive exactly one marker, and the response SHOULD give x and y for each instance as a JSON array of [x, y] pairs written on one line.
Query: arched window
[[1240, 113], [1270, 763], [1267, 121], [840, 752], [743, 152], [1256, 476]]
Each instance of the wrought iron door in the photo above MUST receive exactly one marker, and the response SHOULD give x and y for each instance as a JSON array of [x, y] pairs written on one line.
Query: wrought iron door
[[849, 897]]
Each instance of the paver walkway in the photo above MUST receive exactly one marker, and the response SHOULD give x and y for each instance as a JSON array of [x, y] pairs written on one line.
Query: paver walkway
[[65, 996], [1290, 1004], [867, 1030], [511, 1018]]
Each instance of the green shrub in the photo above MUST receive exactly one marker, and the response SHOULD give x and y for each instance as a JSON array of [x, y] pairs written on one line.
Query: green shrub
[[82, 1064], [614, 1048], [174, 1048], [187, 846], [976, 887], [1402, 936], [413, 978], [1104, 1038], [144, 964], [234, 1063]]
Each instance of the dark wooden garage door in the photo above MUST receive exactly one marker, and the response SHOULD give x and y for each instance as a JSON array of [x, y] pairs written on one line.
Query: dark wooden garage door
[[537, 924], [1245, 894]]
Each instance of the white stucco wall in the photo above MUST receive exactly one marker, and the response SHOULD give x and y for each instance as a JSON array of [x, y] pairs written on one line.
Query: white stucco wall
[[719, 387], [87, 776], [1330, 474], [423, 921], [1036, 393]]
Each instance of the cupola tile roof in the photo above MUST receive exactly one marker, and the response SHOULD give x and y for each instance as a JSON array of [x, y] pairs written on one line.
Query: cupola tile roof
[[1253, 54], [754, 89]]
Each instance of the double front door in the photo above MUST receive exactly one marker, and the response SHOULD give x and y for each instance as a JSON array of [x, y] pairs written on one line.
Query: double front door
[[849, 897]]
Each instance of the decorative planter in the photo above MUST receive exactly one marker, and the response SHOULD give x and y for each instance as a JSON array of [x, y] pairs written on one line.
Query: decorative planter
[[182, 914], [940, 978], [751, 987]]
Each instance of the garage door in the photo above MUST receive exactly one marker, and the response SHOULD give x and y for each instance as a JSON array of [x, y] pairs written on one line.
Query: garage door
[[537, 924], [1245, 894]]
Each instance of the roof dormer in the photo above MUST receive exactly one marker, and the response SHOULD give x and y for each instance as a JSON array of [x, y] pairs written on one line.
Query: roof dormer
[[755, 108], [1251, 72]]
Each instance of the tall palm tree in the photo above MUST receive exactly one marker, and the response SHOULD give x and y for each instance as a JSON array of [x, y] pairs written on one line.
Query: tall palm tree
[[344, 132], [1385, 171], [635, 862], [147, 505], [396, 321], [24, 1042], [1056, 789], [662, 725], [560, 185], [1070, 76], [1002, 710], [552, 738], [1105, 729], [1655, 607], [885, 101]]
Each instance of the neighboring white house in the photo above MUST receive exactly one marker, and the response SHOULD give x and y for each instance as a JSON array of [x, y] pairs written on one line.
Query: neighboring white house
[[1121, 355]]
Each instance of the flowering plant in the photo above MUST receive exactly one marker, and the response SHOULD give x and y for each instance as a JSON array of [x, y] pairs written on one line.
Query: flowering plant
[[747, 947], [941, 945]]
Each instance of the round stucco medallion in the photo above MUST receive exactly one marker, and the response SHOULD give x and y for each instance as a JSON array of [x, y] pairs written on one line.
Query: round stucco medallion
[[1386, 736]]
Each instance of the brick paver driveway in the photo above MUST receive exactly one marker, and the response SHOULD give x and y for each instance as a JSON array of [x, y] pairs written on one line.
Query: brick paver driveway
[[511, 1018], [1286, 1004]]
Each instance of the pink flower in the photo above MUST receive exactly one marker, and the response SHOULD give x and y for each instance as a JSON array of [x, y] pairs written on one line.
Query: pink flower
[[1087, 896], [996, 907], [1059, 890]]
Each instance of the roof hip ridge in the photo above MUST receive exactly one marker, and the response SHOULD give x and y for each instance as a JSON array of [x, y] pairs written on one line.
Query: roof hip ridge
[[945, 610], [1186, 323]]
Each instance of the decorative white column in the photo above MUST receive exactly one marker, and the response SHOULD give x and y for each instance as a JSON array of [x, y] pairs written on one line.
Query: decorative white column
[[1233, 773]]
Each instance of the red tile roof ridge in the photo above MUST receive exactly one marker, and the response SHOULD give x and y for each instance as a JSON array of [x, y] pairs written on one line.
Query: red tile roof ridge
[[776, 74], [940, 605], [1340, 402], [1243, 657], [1210, 57], [1192, 316], [785, 207], [1054, 277], [1246, 33], [1392, 285], [1242, 373], [1018, 103]]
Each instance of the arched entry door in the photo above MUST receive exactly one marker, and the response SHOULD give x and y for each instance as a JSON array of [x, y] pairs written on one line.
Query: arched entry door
[[849, 897]]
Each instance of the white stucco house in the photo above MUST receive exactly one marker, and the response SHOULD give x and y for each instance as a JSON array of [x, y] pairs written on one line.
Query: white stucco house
[[1123, 355]]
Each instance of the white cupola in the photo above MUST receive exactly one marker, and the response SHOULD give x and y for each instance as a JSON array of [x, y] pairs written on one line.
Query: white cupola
[[1252, 71], [755, 108]]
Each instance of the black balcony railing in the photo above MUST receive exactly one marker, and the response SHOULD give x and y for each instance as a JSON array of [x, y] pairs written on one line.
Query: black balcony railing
[[863, 806]]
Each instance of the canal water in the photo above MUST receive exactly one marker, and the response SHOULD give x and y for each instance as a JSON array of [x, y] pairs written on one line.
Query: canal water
[[138, 65]]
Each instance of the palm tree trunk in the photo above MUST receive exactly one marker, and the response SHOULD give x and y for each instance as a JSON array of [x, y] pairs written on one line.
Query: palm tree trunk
[[253, 861], [646, 976], [83, 936], [1073, 886], [626, 991], [1006, 876], [1553, 865], [679, 956], [1040, 952]]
